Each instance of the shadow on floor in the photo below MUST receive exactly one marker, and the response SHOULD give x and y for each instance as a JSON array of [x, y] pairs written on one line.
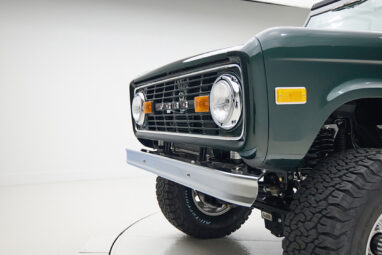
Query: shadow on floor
[[191, 246]]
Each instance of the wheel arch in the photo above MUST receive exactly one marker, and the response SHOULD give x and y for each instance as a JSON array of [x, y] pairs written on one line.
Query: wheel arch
[[359, 92], [329, 103]]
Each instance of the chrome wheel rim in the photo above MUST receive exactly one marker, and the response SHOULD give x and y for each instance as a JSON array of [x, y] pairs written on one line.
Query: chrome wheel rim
[[374, 247], [200, 201]]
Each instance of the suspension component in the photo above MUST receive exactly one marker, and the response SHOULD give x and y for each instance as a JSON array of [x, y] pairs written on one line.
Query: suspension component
[[322, 146]]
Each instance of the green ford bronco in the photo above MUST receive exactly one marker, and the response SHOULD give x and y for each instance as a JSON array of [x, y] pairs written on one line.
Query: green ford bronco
[[289, 123]]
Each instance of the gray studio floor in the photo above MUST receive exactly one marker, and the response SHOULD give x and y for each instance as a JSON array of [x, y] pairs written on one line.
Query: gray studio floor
[[154, 235], [86, 217]]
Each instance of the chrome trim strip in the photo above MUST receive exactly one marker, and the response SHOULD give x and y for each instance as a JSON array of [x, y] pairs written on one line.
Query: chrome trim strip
[[234, 188], [193, 135], [234, 138]]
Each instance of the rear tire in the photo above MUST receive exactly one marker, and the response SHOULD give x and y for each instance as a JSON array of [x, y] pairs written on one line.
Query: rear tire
[[179, 208], [337, 206]]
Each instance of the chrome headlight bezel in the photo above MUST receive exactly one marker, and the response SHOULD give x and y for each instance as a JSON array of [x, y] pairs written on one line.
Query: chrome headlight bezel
[[234, 97], [137, 108]]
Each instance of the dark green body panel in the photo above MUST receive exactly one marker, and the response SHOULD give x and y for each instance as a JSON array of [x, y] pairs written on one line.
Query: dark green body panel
[[335, 67]]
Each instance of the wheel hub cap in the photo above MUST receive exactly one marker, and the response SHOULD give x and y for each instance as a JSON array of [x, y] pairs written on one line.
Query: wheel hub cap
[[374, 244], [209, 205]]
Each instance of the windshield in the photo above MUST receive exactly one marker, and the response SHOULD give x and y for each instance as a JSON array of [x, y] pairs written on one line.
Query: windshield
[[363, 15]]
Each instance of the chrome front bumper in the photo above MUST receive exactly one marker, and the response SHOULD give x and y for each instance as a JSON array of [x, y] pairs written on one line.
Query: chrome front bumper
[[234, 188]]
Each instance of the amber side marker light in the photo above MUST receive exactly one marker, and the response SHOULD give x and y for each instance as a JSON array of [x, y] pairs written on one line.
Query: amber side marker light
[[202, 104], [291, 95], [147, 107]]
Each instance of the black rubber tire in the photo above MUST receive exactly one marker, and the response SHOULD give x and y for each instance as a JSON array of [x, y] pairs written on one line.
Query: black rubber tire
[[178, 207], [337, 205]]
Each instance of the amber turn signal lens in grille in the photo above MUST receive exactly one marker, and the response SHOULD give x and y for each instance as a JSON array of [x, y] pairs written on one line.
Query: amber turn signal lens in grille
[[293, 95], [147, 107], [202, 104]]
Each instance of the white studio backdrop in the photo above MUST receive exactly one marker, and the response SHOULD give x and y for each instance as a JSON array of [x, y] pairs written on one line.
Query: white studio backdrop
[[65, 68]]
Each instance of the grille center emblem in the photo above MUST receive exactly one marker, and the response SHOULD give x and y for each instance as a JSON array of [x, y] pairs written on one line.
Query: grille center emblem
[[177, 105]]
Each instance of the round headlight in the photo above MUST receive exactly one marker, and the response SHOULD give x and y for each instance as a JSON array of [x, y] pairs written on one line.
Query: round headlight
[[225, 101], [137, 108]]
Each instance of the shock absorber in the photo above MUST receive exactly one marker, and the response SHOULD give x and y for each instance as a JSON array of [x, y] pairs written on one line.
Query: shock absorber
[[322, 146], [340, 142]]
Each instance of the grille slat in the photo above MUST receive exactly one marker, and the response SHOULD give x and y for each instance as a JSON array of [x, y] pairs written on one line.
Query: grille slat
[[181, 90], [178, 127], [180, 121], [178, 90], [190, 80], [183, 114], [162, 96]]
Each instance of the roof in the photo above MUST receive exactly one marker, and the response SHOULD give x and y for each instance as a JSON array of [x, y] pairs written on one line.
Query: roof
[[323, 3]]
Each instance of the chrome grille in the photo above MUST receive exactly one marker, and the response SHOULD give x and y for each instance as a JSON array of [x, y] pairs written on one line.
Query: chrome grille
[[182, 90]]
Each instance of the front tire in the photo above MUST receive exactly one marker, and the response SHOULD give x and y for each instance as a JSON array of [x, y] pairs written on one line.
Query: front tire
[[178, 205], [337, 207]]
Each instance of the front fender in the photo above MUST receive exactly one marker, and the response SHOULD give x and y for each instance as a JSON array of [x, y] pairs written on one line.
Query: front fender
[[335, 67]]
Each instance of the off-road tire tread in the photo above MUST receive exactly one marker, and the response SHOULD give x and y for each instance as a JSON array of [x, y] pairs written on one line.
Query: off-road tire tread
[[325, 210], [169, 196]]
